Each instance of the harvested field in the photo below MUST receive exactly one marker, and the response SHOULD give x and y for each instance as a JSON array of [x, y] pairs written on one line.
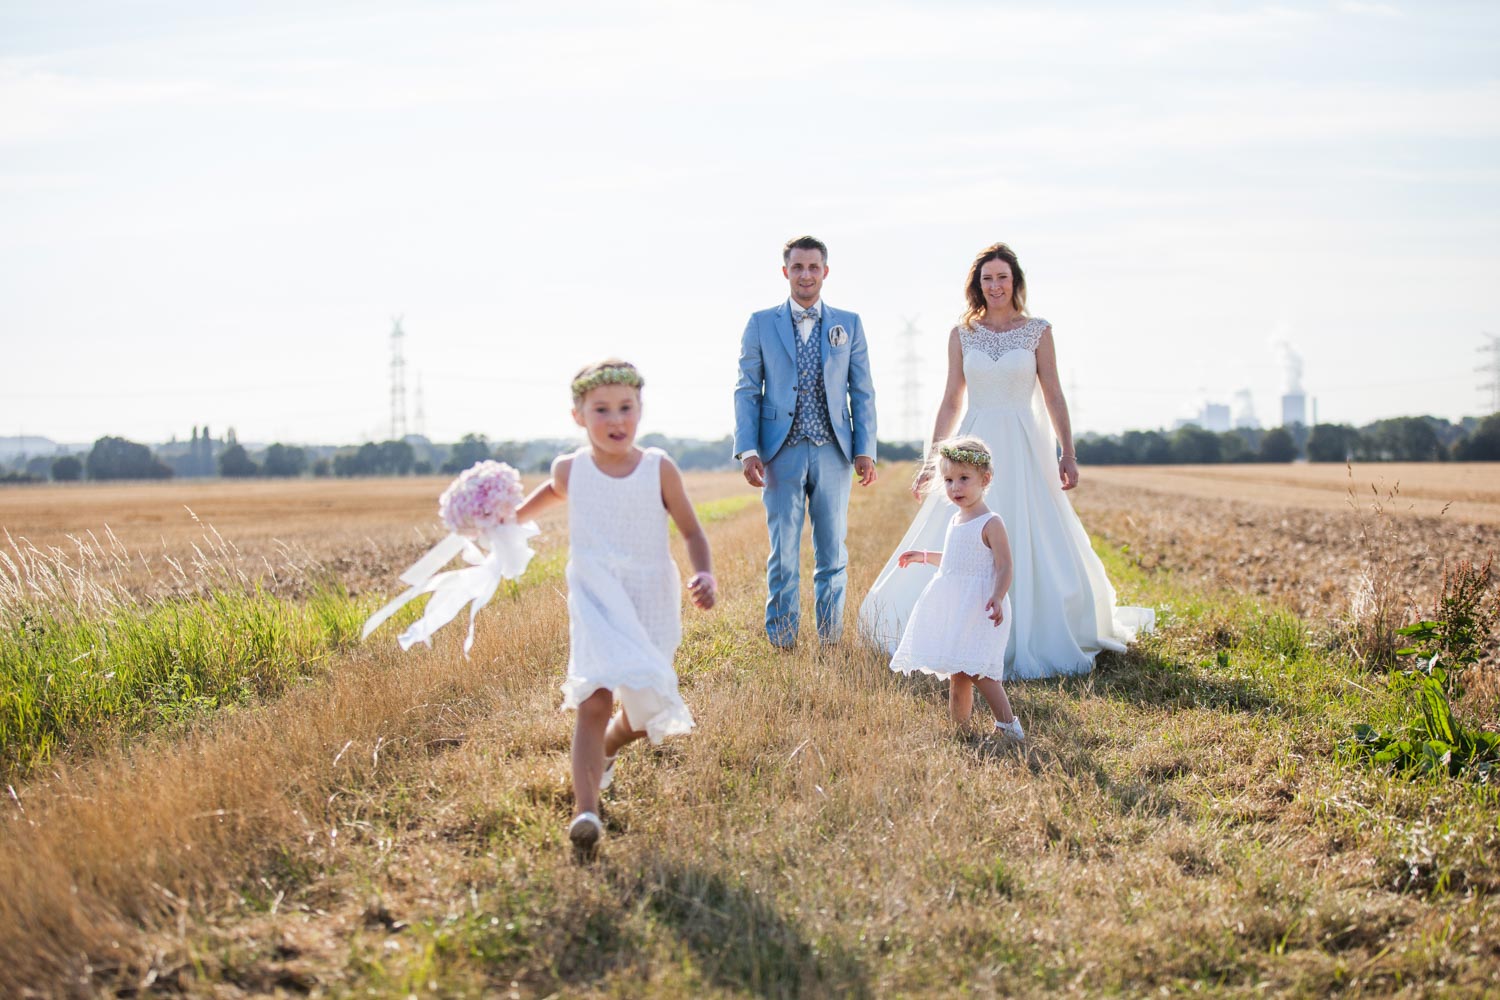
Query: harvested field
[[1319, 550], [360, 531], [1295, 533], [1287, 532], [1470, 491]]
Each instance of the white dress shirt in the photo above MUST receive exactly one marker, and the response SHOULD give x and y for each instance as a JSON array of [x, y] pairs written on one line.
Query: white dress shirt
[[810, 321]]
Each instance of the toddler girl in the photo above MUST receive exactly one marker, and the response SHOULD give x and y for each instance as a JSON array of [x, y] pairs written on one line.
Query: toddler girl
[[959, 626], [623, 605]]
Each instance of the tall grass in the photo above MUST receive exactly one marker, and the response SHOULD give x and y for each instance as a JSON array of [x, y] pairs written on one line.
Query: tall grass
[[1383, 599], [85, 657]]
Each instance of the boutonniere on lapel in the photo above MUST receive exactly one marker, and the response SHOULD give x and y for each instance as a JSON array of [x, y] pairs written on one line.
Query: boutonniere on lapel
[[838, 337]]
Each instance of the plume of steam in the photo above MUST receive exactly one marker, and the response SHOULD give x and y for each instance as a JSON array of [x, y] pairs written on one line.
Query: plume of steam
[[1244, 409]]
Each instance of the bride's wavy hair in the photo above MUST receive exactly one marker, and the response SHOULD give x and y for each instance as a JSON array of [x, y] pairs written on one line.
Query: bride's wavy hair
[[974, 295], [964, 449]]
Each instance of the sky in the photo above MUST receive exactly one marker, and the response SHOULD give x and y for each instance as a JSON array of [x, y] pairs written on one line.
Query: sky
[[211, 213]]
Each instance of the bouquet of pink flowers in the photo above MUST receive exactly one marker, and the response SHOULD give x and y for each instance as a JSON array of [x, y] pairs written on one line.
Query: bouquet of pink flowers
[[483, 496], [479, 508]]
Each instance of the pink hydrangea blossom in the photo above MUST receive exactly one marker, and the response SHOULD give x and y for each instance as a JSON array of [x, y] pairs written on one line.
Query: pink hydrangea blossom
[[483, 496]]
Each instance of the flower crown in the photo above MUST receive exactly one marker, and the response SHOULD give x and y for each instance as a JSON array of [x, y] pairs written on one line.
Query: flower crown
[[966, 456], [612, 375]]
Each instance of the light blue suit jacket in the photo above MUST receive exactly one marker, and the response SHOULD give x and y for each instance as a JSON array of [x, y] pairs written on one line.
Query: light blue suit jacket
[[765, 398]]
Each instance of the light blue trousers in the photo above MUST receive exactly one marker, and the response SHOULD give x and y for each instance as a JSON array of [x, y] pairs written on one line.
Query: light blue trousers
[[805, 479]]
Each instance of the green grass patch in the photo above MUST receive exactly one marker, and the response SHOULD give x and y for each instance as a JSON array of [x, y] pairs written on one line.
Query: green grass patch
[[723, 508], [66, 680]]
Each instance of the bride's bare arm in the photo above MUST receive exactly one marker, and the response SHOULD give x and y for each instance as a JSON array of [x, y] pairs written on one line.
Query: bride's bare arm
[[1057, 408], [953, 401]]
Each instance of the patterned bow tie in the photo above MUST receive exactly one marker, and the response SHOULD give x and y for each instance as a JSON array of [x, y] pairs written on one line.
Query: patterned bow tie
[[798, 315]]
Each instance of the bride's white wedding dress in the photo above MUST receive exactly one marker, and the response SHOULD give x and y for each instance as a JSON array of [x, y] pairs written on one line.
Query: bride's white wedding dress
[[1062, 604]]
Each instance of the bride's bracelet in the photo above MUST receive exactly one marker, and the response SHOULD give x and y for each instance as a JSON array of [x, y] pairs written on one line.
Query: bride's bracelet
[[1067, 455]]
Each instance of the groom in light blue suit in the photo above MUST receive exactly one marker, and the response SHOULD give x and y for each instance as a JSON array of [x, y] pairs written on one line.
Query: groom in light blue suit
[[804, 410]]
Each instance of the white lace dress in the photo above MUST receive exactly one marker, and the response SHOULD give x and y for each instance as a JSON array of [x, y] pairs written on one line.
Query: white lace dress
[[949, 631], [1064, 605], [624, 595]]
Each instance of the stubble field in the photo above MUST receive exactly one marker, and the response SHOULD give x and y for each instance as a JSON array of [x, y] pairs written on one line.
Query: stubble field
[[1470, 491], [388, 824], [1308, 536], [356, 529]]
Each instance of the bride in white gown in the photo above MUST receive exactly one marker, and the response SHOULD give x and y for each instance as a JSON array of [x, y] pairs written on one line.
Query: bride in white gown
[[1063, 607]]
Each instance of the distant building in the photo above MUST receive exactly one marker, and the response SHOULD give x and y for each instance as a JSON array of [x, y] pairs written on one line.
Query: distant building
[[1211, 417], [1294, 409]]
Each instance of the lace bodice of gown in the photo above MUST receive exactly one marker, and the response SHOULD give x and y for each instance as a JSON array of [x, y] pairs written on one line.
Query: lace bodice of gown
[[1000, 367]]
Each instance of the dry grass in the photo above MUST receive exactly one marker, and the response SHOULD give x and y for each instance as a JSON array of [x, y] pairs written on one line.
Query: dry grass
[[1179, 820], [360, 531]]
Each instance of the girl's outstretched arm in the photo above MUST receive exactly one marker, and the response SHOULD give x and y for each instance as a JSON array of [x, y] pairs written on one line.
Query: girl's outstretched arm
[[551, 493], [994, 536], [701, 586], [924, 556]]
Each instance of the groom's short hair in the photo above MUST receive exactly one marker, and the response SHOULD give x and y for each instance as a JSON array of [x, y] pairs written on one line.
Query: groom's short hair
[[804, 243]]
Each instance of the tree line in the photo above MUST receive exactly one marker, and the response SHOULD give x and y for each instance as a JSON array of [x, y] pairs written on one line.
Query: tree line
[[1396, 439], [115, 458]]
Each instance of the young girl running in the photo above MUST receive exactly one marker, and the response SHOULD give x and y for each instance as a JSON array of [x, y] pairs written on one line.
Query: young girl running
[[959, 626], [623, 604]]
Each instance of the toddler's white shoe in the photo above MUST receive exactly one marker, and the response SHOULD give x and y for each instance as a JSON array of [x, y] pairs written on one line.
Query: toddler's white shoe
[[1011, 730], [608, 777], [585, 832]]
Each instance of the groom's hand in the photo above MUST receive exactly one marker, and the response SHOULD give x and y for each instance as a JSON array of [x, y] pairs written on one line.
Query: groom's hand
[[755, 471], [865, 466]]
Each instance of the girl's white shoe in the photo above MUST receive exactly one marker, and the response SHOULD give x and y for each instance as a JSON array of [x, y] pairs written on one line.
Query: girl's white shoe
[[608, 777], [1011, 730], [585, 832]]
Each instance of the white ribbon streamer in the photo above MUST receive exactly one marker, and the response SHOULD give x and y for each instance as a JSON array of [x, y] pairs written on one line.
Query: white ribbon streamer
[[506, 558]]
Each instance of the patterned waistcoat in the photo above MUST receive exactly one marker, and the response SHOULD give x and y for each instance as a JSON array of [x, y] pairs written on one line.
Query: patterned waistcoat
[[810, 420]]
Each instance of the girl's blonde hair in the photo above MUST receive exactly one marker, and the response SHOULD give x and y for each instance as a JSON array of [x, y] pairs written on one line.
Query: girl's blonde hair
[[610, 371], [964, 449]]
